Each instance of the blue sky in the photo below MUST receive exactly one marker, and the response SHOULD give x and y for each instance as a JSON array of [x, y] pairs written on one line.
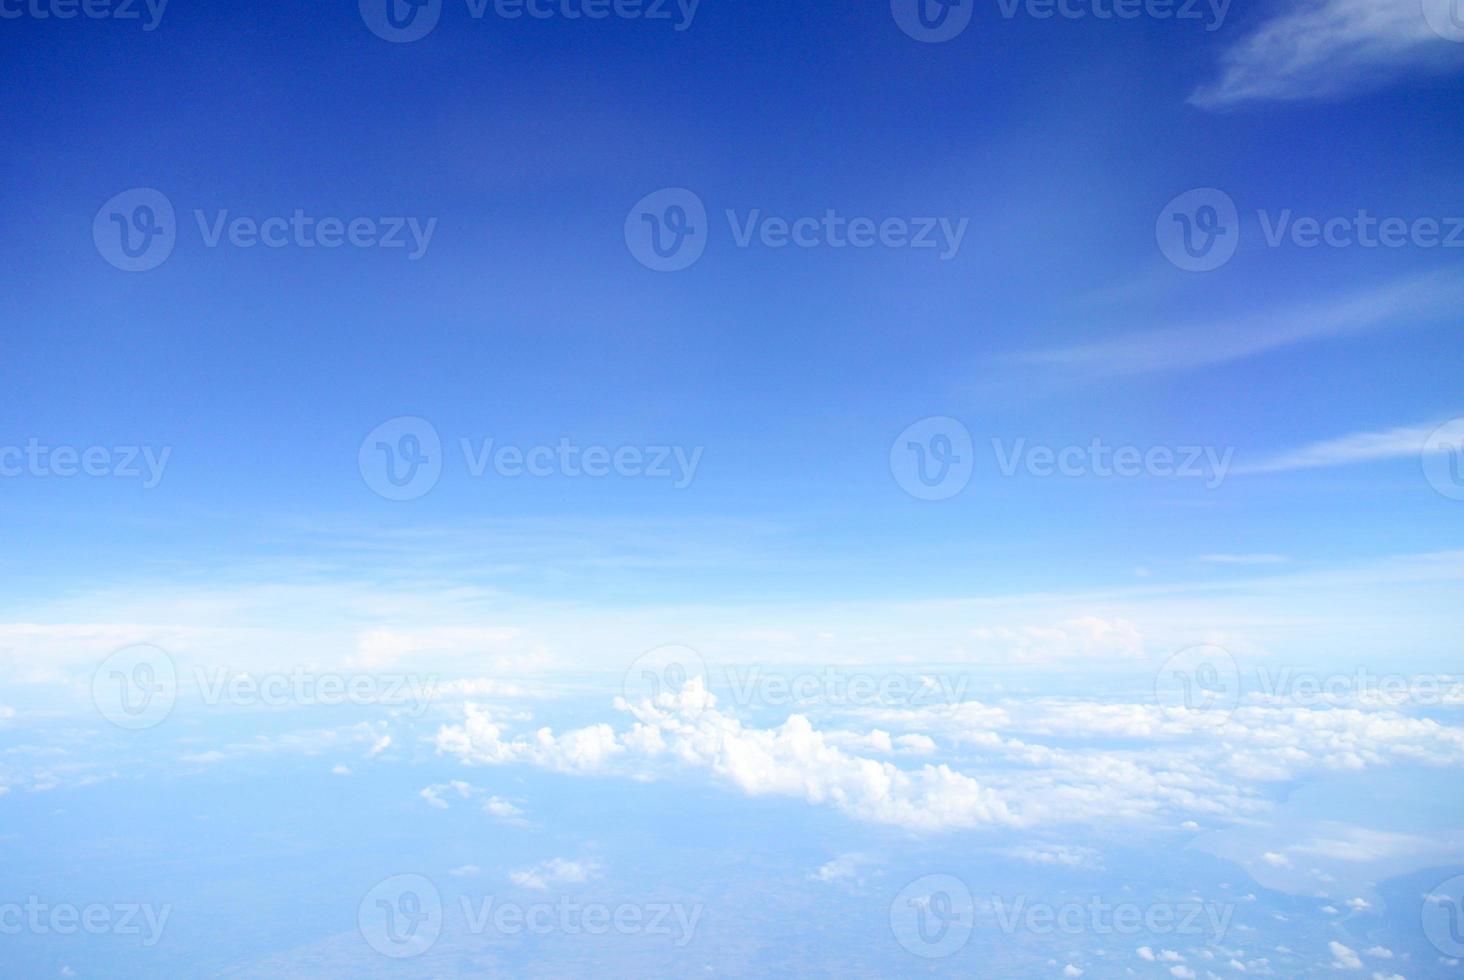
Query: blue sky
[[1291, 395]]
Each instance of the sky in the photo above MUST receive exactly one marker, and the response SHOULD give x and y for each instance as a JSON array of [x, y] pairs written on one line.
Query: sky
[[918, 460]]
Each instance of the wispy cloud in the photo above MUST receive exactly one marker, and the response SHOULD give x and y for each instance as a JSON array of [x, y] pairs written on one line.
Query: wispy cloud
[[1359, 447], [1324, 49], [1191, 346], [1254, 559]]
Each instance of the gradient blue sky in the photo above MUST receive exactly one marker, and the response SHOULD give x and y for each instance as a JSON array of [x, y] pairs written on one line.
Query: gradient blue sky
[[528, 319], [1058, 321]]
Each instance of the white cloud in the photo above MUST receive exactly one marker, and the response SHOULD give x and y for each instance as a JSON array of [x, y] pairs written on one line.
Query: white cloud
[[845, 867], [555, 871], [1343, 958], [1064, 855], [1071, 971], [1146, 954], [438, 795], [1359, 447], [1252, 559], [1326, 48], [1182, 762], [1189, 346]]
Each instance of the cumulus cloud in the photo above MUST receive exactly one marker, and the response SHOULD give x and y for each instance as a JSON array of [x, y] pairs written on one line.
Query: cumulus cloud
[[845, 867], [438, 796], [1179, 762], [555, 871], [1343, 958]]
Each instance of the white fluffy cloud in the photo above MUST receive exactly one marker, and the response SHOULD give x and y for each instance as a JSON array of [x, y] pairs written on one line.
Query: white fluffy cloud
[[1182, 763], [555, 871], [1343, 958]]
